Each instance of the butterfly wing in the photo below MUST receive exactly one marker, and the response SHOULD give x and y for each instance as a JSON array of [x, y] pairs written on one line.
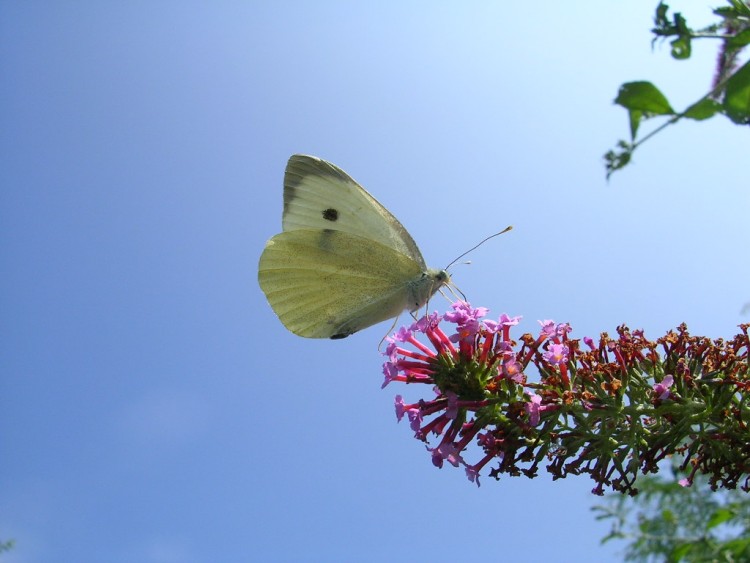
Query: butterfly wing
[[330, 284], [319, 195]]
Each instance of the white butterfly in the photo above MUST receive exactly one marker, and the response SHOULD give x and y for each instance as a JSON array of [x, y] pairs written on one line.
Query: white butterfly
[[343, 262]]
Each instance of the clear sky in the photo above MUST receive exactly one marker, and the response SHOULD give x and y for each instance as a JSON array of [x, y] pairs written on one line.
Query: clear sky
[[153, 407]]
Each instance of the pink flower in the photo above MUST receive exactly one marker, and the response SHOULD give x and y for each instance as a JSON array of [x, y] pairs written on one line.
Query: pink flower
[[467, 319], [426, 323], [463, 312], [445, 452], [562, 329], [533, 408], [473, 474], [505, 321], [415, 420], [513, 370], [662, 388], [390, 371], [556, 354], [508, 321], [549, 329], [399, 403]]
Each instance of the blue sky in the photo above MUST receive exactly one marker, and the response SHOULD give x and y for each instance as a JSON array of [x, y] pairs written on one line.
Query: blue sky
[[153, 407]]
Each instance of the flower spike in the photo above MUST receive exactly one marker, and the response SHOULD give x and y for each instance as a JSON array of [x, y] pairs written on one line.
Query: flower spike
[[611, 408]]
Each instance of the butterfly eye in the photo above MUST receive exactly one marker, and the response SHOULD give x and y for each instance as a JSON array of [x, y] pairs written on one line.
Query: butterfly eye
[[331, 214]]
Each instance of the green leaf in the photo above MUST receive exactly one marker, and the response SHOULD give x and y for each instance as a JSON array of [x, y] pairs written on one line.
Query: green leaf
[[643, 96], [737, 95], [703, 109], [737, 547], [739, 40], [680, 551], [738, 9], [668, 516], [681, 47], [660, 18], [719, 517], [617, 160], [635, 120]]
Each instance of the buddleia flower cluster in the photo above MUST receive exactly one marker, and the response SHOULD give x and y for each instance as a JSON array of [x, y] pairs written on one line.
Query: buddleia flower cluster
[[611, 408]]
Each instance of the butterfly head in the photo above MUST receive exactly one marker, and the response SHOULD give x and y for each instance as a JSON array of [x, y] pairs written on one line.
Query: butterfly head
[[426, 286]]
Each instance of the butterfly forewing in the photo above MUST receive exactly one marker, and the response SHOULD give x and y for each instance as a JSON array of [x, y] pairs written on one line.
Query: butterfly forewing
[[319, 195]]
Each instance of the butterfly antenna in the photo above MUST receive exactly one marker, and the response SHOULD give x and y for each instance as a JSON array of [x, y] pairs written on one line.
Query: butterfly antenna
[[505, 230]]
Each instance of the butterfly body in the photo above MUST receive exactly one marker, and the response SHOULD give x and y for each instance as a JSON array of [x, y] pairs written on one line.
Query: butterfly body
[[343, 262]]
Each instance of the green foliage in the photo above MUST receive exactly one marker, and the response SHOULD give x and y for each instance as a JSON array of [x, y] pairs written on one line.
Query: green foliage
[[668, 522], [737, 96], [681, 48], [703, 109], [6, 545], [730, 94], [642, 99]]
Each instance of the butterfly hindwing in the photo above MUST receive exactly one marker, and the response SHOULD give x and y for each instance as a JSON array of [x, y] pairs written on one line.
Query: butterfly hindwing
[[329, 284]]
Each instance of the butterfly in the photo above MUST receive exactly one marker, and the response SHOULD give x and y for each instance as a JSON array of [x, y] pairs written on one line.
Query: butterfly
[[342, 262]]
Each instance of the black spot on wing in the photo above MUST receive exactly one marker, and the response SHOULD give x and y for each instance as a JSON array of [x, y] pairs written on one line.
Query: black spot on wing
[[331, 214], [300, 166], [341, 335]]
